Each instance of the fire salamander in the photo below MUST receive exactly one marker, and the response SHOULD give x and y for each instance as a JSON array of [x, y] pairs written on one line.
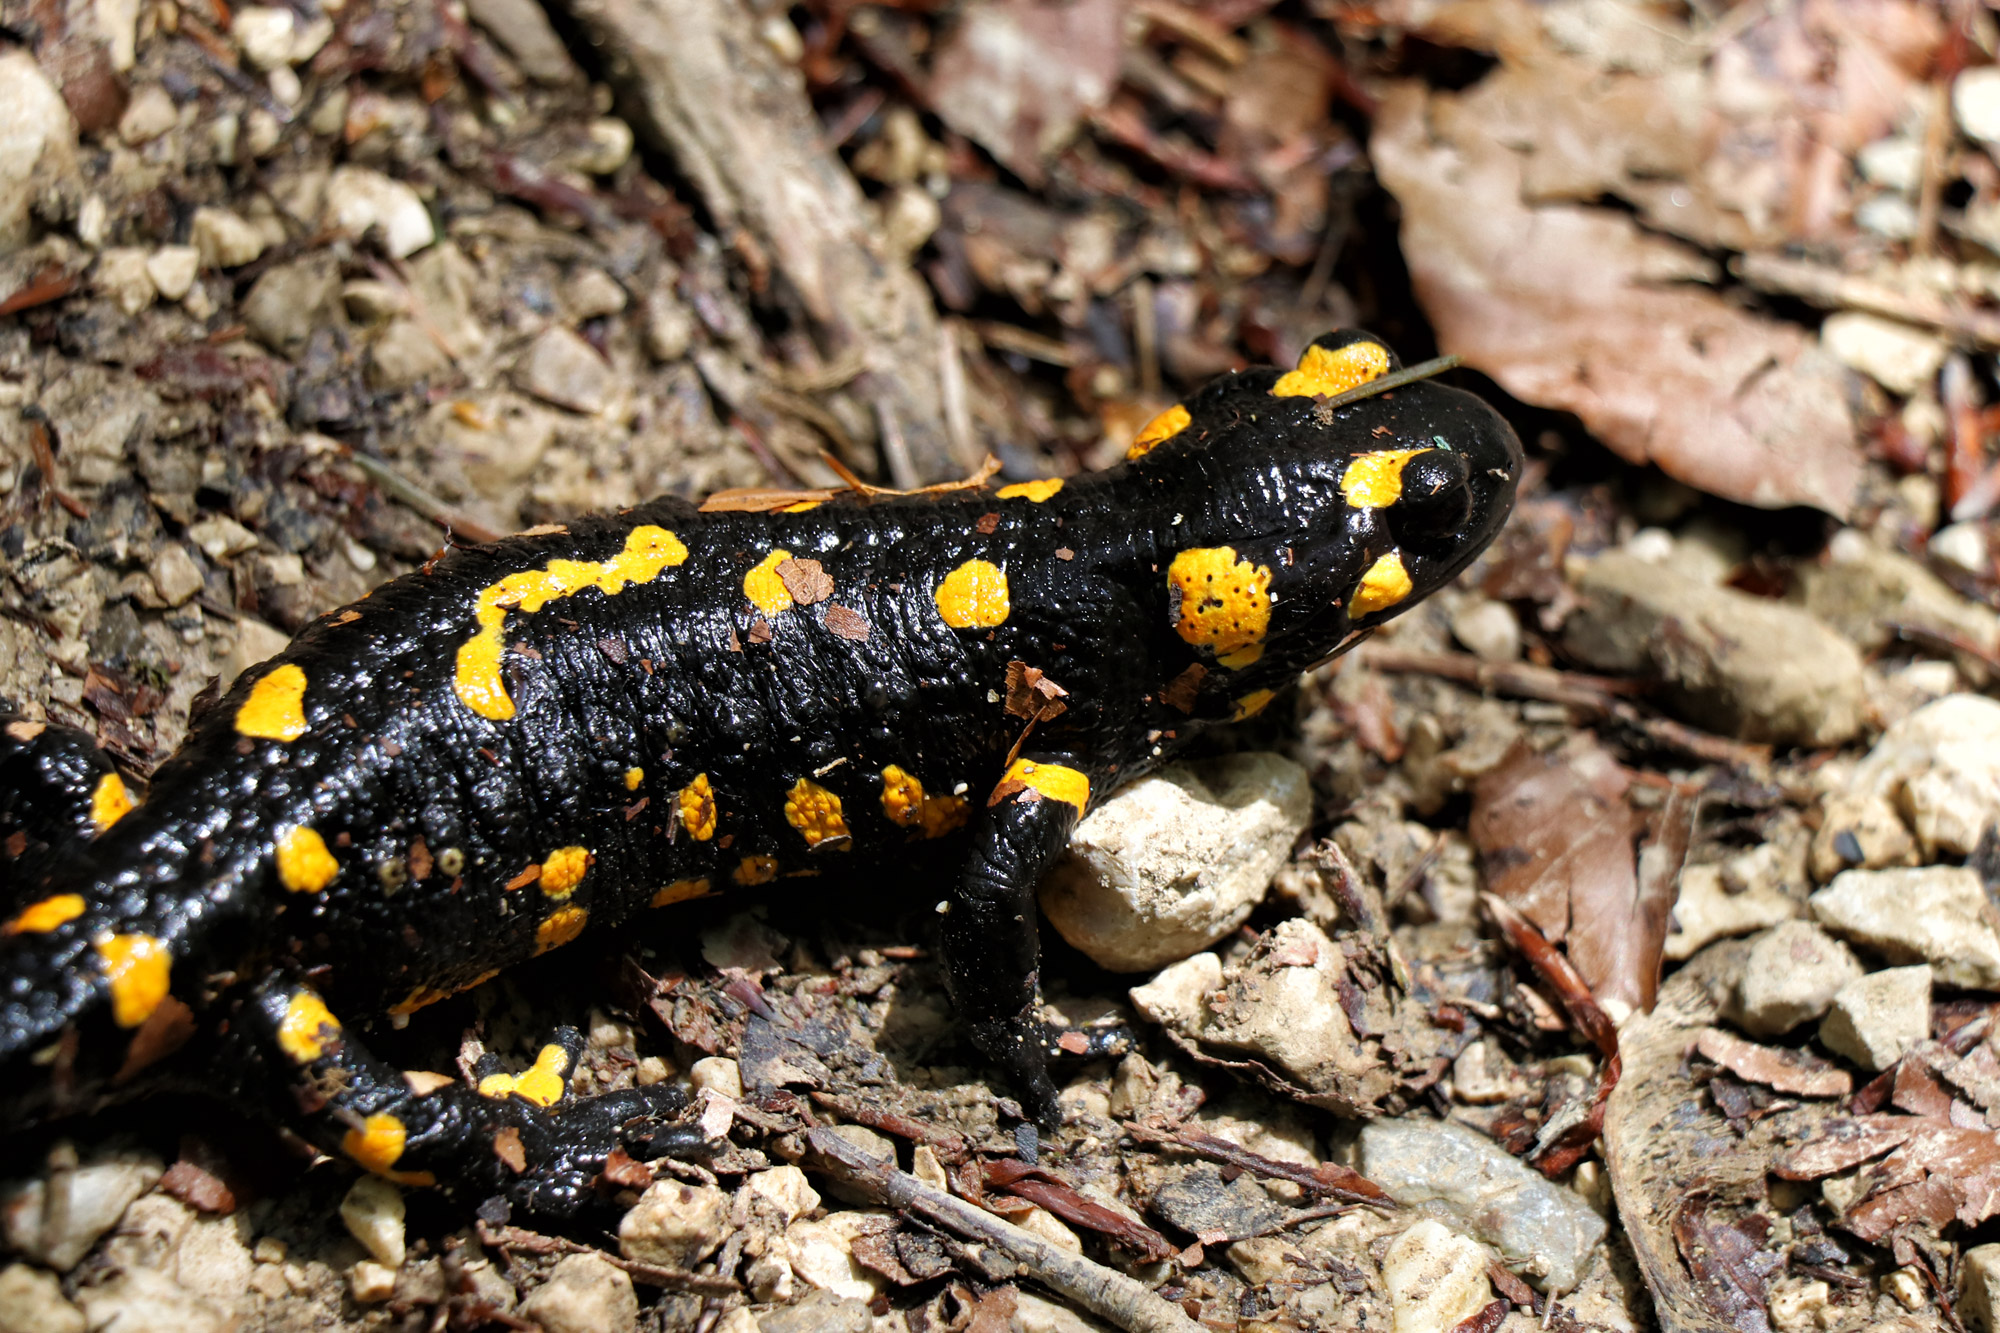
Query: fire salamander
[[481, 761]]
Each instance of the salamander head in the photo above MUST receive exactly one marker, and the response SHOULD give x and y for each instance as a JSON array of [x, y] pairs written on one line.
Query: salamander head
[[1317, 517]]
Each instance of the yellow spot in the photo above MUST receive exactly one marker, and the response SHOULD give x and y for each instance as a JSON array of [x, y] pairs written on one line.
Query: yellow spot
[[378, 1145], [1385, 584], [564, 870], [815, 812], [1251, 704], [110, 802], [276, 708], [1158, 431], [1037, 491], [542, 1083], [800, 506], [766, 591], [1336, 371], [137, 967], [648, 550], [755, 870], [633, 777], [698, 808], [1054, 781], [974, 596], [304, 863], [307, 1028], [904, 802], [424, 995], [680, 891], [1225, 603], [559, 928], [46, 915], [1375, 481]]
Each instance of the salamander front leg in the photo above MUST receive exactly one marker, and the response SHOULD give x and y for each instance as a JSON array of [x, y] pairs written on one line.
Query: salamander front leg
[[991, 946], [519, 1136]]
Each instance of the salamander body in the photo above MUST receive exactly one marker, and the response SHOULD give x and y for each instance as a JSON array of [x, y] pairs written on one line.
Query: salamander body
[[479, 762]]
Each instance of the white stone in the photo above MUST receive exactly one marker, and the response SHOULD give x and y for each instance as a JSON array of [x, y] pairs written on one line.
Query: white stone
[[1963, 545], [121, 275], [98, 1195], [118, 25], [264, 35], [1934, 914], [1929, 789], [674, 1225], [717, 1073], [1979, 1288], [358, 198], [372, 1211], [223, 239], [1796, 1306], [1896, 163], [148, 114], [783, 1191], [584, 1294], [1489, 630], [220, 536], [591, 292], [1887, 215], [1175, 861], [608, 146], [1436, 1278], [1706, 911], [822, 1257], [31, 1301], [38, 148], [1975, 103], [173, 269], [1791, 977], [1876, 1018], [561, 368], [1900, 358], [145, 1300], [371, 1283]]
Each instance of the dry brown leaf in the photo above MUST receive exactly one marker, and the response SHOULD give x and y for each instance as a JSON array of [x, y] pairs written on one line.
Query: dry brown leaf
[[1577, 308], [1017, 76], [1796, 1072]]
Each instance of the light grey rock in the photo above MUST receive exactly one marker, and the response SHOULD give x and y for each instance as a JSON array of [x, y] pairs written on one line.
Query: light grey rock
[[1489, 630], [121, 275], [223, 239], [1176, 861], [31, 1301], [174, 573], [1933, 914], [1979, 1288], [1963, 546], [585, 1294], [288, 302], [1544, 1231], [264, 35], [523, 31], [1281, 1005], [1975, 103], [1874, 1019], [674, 1225], [37, 148], [1864, 590], [148, 114], [220, 536], [1901, 359], [145, 1300], [1929, 789], [372, 1212], [1791, 977], [1436, 1278], [1740, 665], [97, 1195], [1706, 911], [561, 368], [173, 269], [822, 1255], [820, 1312], [358, 198], [404, 354]]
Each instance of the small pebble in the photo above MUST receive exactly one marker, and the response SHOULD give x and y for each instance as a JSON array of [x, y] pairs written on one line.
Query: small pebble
[[1436, 1279], [373, 1214], [1975, 103], [584, 1294], [1876, 1018]]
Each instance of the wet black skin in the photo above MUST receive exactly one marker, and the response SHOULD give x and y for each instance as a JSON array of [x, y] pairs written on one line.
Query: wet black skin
[[677, 676]]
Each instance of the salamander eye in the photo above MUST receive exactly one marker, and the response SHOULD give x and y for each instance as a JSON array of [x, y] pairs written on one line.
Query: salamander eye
[[1436, 498]]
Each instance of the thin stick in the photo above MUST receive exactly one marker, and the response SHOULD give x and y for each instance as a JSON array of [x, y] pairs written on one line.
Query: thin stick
[[1126, 1303], [1396, 379], [399, 487]]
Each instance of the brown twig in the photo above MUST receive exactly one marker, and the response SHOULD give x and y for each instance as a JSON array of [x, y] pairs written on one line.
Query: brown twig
[[949, 1144], [398, 487], [1128, 1304], [534, 1242]]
